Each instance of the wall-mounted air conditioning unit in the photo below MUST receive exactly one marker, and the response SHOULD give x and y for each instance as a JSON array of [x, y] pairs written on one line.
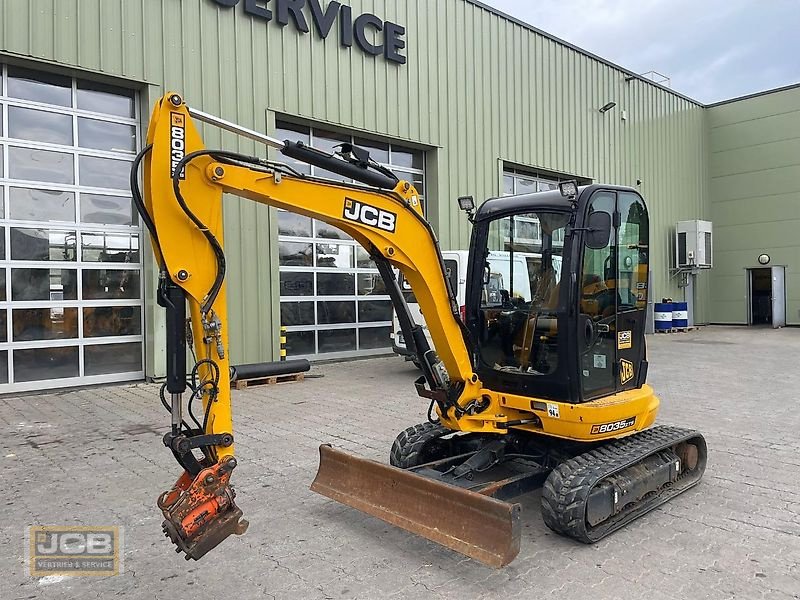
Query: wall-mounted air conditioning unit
[[694, 247]]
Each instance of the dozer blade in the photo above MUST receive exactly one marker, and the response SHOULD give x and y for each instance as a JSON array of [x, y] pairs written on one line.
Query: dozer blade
[[475, 525]]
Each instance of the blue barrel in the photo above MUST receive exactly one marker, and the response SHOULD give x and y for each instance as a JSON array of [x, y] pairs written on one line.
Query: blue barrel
[[663, 314], [680, 314]]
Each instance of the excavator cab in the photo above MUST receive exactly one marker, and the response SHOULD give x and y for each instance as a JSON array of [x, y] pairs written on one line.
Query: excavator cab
[[569, 325]]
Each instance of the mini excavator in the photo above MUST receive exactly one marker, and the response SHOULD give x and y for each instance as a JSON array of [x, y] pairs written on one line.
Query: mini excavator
[[538, 384]]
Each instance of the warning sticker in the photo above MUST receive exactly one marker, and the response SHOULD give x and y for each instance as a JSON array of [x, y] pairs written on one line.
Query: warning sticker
[[600, 361], [552, 411], [624, 340]]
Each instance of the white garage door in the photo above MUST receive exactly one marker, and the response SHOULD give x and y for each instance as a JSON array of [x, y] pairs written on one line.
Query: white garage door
[[70, 270]]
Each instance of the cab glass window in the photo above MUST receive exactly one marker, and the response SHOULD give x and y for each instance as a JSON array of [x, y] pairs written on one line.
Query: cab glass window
[[520, 300]]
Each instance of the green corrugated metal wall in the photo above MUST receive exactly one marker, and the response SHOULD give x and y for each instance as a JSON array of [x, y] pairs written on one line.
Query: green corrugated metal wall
[[755, 195], [478, 89]]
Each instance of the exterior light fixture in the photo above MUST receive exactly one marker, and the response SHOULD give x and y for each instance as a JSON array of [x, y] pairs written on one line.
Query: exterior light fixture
[[608, 107], [568, 189], [764, 259], [467, 204]]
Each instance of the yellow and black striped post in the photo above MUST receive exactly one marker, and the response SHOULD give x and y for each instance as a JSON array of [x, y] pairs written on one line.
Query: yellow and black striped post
[[283, 343]]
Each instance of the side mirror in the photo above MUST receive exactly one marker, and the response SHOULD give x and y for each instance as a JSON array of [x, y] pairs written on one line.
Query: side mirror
[[598, 230]]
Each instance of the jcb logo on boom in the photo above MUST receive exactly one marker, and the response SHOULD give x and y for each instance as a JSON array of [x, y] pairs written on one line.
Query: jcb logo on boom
[[177, 143], [369, 215]]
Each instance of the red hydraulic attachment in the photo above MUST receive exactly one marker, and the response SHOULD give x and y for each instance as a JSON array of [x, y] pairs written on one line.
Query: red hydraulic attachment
[[200, 513]]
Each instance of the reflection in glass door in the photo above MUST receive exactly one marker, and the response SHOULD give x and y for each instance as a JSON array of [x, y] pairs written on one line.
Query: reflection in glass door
[[70, 265]]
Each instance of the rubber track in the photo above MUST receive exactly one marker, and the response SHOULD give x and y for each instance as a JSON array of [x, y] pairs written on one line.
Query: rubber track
[[567, 489], [408, 446]]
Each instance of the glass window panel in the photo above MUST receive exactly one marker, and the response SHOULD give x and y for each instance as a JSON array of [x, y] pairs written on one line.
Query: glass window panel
[[27, 204], [546, 186], [39, 87], [415, 178], [112, 358], [119, 284], [3, 325], [373, 311], [377, 151], [39, 126], [107, 210], [2, 243], [2, 151], [508, 185], [371, 284], [295, 254], [110, 247], [294, 133], [327, 141], [31, 324], [299, 343], [106, 99], [45, 363], [40, 165], [526, 186], [408, 158], [104, 172], [55, 285], [335, 284], [336, 312], [363, 261], [297, 313], [374, 337], [297, 284], [294, 225], [112, 320], [337, 340], [329, 232], [2, 285], [4, 366], [105, 135], [42, 244], [335, 256]]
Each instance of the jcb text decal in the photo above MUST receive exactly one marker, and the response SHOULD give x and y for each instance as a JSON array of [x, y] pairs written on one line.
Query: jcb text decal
[[369, 215], [625, 371], [177, 142]]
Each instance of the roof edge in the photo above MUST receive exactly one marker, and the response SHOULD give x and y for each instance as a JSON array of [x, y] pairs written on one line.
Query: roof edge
[[580, 50], [783, 88]]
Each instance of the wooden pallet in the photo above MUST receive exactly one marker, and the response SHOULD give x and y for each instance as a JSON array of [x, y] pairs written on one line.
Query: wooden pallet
[[683, 329], [243, 384]]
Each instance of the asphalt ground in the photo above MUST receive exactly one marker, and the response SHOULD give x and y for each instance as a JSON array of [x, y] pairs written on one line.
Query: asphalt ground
[[94, 457]]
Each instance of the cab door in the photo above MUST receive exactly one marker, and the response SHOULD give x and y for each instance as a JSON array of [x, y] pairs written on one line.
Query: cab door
[[613, 298], [597, 332], [631, 283]]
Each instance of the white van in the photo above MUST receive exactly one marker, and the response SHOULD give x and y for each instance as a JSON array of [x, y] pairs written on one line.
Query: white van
[[455, 262]]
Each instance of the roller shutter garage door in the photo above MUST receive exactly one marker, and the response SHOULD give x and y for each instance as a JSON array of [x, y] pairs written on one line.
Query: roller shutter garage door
[[70, 265]]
